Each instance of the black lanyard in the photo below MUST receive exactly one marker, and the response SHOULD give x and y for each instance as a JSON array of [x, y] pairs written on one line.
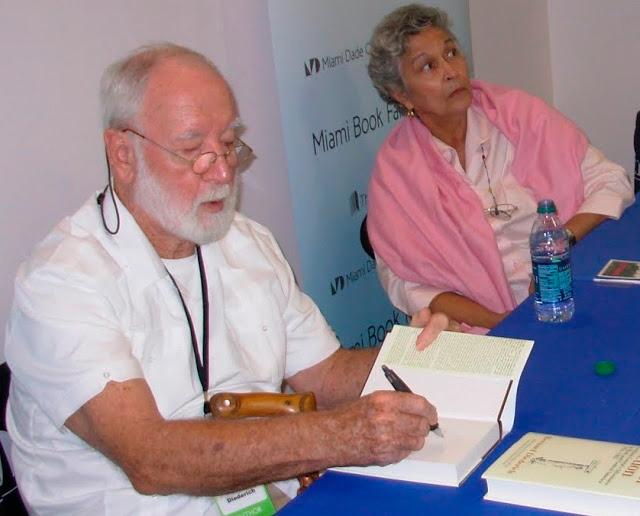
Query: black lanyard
[[202, 365]]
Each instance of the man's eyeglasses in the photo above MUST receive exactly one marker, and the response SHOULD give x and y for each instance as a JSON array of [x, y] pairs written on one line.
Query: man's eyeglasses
[[237, 153]]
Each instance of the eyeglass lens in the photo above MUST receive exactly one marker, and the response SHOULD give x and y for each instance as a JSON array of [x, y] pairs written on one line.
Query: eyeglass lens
[[237, 154]]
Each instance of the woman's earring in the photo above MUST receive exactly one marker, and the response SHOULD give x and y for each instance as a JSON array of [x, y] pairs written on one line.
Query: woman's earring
[[411, 113]]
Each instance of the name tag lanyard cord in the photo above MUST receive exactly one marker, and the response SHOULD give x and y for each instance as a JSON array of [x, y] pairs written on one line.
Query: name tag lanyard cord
[[202, 364]]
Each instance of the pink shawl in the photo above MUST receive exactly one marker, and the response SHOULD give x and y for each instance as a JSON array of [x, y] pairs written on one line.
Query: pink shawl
[[428, 225]]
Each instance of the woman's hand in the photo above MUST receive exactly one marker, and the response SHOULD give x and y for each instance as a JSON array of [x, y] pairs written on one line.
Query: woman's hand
[[432, 325], [466, 311]]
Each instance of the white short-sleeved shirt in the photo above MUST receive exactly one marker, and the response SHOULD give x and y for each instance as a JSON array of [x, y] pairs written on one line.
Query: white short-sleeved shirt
[[607, 190], [90, 308]]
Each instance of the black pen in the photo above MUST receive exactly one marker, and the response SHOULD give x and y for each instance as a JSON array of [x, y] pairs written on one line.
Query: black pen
[[397, 383]]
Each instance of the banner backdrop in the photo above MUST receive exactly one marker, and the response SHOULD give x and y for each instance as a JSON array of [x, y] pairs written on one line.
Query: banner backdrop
[[333, 122]]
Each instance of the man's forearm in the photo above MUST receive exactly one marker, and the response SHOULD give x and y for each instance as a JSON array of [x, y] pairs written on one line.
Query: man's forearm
[[207, 456], [347, 376], [213, 457], [338, 378]]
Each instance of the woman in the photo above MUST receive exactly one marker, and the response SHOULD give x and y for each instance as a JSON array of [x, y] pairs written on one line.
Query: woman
[[455, 186]]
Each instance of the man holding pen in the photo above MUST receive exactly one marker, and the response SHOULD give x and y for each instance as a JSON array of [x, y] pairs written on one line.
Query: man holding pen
[[156, 295]]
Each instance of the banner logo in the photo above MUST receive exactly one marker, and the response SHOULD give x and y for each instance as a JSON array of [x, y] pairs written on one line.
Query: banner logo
[[312, 66], [342, 281], [337, 285], [327, 62]]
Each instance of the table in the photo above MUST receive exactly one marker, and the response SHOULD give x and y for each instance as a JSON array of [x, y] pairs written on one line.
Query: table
[[612, 239], [559, 392]]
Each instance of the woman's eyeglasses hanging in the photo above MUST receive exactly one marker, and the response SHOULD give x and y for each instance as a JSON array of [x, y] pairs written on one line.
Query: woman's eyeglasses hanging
[[497, 211]]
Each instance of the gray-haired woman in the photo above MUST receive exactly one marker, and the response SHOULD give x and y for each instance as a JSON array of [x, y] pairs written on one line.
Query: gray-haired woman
[[455, 186]]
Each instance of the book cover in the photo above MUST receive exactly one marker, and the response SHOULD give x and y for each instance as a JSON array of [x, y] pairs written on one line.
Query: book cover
[[581, 476], [620, 271], [472, 381]]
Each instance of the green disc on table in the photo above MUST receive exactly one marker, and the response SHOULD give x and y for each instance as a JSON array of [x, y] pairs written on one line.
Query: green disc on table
[[605, 368]]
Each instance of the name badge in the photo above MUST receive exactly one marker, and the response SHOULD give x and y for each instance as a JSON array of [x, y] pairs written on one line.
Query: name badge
[[254, 501]]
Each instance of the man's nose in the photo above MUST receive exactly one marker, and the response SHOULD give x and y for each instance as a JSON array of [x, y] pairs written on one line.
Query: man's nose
[[220, 171]]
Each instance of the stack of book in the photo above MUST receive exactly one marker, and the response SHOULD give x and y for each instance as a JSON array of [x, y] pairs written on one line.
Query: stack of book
[[568, 474]]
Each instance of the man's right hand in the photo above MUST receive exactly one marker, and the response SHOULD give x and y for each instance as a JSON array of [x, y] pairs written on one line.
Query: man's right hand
[[385, 426]]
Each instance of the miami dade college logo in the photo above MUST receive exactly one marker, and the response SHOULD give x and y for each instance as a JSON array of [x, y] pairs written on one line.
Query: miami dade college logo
[[337, 285], [311, 66]]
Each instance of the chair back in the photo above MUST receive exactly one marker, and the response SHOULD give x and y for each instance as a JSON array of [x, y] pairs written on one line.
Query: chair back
[[10, 501], [364, 239]]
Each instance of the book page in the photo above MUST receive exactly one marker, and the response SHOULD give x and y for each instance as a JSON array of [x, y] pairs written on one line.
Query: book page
[[454, 352], [455, 396], [463, 375]]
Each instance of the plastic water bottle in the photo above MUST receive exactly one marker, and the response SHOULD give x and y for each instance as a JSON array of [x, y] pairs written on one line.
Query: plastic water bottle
[[551, 263]]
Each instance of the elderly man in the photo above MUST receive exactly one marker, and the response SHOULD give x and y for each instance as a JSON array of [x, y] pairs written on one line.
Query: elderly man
[[157, 294]]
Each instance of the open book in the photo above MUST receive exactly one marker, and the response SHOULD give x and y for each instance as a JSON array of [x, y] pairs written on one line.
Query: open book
[[567, 474], [620, 271], [472, 381]]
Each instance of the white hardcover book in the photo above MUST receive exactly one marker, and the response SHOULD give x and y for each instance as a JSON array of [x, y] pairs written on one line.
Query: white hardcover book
[[567, 474], [472, 381]]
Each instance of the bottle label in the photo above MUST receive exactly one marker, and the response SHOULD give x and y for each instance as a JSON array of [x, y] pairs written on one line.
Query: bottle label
[[552, 278]]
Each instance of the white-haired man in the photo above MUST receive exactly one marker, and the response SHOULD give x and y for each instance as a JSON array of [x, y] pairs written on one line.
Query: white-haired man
[[156, 295]]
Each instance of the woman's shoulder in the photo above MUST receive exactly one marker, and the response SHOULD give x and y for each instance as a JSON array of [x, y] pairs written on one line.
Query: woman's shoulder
[[508, 95], [401, 139]]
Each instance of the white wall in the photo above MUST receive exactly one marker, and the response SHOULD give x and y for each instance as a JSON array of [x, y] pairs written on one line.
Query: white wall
[[251, 72], [510, 41], [580, 55], [52, 156], [595, 61]]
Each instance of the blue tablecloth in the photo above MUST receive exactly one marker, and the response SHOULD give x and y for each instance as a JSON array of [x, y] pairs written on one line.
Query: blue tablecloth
[[559, 392], [612, 239]]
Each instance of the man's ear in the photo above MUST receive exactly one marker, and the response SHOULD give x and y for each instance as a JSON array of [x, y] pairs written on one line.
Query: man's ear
[[120, 155]]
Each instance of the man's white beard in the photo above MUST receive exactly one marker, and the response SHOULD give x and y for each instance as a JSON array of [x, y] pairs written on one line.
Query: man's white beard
[[182, 221]]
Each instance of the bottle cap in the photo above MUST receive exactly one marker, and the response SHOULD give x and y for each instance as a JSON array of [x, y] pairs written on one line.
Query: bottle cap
[[605, 368], [546, 206]]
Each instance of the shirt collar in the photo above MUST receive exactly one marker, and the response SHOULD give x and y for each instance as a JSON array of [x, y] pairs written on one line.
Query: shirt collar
[[478, 131], [478, 134], [130, 246]]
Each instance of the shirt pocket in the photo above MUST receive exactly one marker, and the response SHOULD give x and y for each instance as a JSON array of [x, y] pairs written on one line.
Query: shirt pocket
[[255, 328], [166, 358]]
